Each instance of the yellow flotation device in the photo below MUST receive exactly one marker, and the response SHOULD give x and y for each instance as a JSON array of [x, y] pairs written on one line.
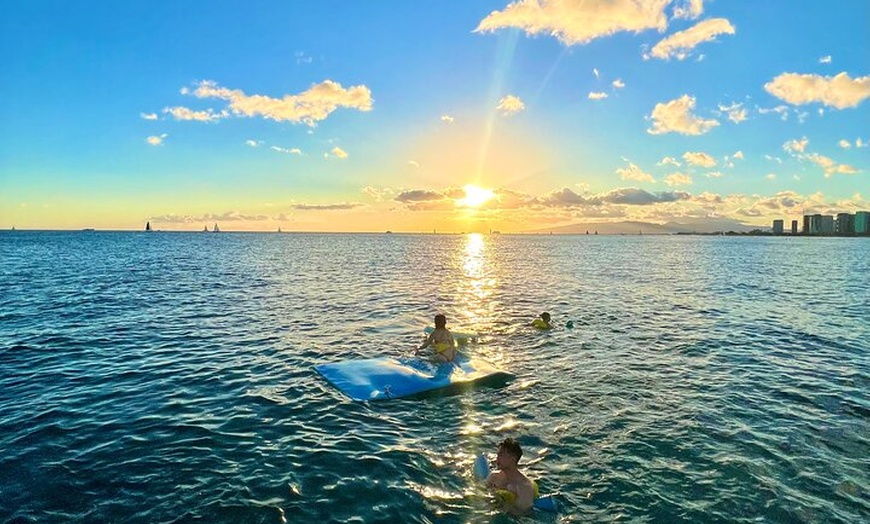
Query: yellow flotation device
[[508, 498], [540, 324], [441, 347]]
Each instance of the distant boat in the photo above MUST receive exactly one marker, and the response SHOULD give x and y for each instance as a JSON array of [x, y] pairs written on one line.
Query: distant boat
[[389, 232], [279, 229], [216, 229], [88, 229], [205, 229], [148, 226]]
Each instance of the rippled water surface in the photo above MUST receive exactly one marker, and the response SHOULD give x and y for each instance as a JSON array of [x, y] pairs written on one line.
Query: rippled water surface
[[167, 377]]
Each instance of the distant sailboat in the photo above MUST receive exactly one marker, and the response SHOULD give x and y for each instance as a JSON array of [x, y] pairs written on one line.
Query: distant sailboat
[[148, 226], [279, 229], [216, 229]]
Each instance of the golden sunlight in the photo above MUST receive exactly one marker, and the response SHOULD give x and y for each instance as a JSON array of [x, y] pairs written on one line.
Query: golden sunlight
[[475, 196]]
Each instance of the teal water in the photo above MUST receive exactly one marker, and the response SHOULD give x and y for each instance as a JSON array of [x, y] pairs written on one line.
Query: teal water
[[167, 377]]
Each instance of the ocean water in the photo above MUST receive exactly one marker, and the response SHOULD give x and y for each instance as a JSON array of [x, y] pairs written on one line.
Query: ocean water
[[167, 377]]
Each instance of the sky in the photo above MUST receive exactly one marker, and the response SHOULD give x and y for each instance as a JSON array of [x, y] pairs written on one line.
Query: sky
[[431, 115]]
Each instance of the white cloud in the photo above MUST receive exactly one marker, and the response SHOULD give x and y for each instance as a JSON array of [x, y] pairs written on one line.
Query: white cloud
[[839, 91], [447, 118], [676, 117], [618, 84], [148, 116], [690, 9], [796, 146], [339, 152], [597, 96], [596, 73], [510, 105], [714, 174], [678, 179], [738, 154], [859, 143], [770, 176], [736, 112], [254, 143], [679, 45], [309, 107], [413, 163], [292, 151], [302, 58], [825, 59], [156, 140], [699, 159], [773, 159], [183, 113], [632, 172], [668, 160], [578, 21], [845, 144]]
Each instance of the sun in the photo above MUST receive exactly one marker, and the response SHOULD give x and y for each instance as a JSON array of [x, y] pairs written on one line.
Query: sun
[[475, 196]]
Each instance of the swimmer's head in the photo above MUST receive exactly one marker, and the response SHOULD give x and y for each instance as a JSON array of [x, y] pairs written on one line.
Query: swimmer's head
[[509, 450], [545, 316], [440, 321]]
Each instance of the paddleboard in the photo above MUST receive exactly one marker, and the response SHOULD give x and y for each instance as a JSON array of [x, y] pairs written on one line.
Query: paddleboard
[[386, 378]]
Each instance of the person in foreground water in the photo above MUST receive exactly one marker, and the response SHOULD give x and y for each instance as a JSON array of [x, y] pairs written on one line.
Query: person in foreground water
[[543, 322], [441, 341], [515, 491]]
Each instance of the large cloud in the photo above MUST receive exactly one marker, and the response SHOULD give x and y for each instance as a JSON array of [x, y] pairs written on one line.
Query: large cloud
[[578, 21], [839, 91], [639, 197], [183, 113], [632, 172], [676, 117], [310, 106], [680, 44]]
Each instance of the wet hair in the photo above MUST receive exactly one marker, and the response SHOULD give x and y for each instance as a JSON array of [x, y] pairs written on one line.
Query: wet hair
[[440, 321], [511, 446], [545, 316]]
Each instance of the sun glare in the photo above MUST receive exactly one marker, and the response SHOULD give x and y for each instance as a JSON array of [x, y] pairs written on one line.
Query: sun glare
[[475, 196]]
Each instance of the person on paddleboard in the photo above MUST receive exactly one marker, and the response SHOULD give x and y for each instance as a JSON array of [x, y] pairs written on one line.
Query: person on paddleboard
[[441, 341]]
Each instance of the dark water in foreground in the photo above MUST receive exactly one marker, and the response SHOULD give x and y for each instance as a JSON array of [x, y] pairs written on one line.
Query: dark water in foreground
[[168, 377]]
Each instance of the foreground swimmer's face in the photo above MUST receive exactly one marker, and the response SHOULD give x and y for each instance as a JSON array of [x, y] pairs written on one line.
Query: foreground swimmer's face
[[504, 459]]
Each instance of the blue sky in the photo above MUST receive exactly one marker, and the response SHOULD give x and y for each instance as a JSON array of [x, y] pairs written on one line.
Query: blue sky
[[355, 116]]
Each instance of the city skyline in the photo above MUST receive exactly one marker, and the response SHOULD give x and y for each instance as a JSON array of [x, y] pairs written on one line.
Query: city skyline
[[447, 116]]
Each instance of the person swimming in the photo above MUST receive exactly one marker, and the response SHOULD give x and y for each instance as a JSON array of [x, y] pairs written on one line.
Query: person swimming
[[515, 491], [543, 322], [441, 341]]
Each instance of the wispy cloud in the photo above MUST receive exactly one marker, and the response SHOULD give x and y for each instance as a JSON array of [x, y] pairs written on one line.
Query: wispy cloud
[[679, 45], [447, 118], [699, 159], [632, 172], [597, 96], [510, 105], [290, 151], [148, 116], [596, 73], [668, 161], [825, 59], [618, 84], [736, 112], [578, 21], [796, 146], [309, 107], [839, 91], [830, 166], [156, 140], [782, 111], [676, 117], [341, 206], [183, 113], [253, 143]]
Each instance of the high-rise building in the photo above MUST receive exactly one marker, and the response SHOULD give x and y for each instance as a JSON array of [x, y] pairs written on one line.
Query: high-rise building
[[827, 225], [845, 224], [777, 227], [812, 224], [794, 230], [862, 223]]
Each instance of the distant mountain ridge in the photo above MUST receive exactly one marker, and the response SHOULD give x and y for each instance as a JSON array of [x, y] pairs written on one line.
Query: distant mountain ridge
[[691, 225]]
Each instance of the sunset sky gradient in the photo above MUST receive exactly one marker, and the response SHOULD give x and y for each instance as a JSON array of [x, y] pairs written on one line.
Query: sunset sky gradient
[[431, 115]]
